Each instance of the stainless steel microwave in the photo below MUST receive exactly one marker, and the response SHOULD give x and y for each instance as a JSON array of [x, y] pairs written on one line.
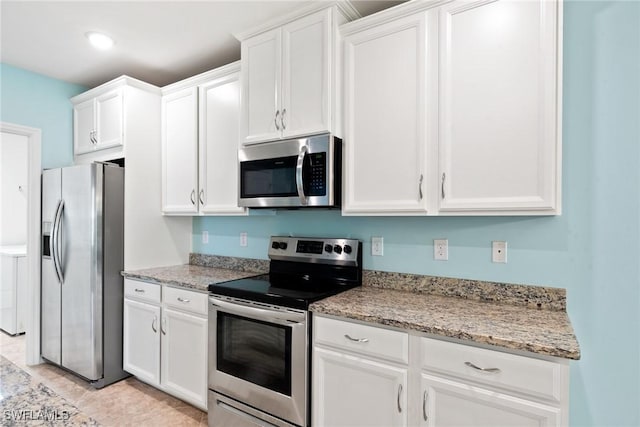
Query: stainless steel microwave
[[295, 173]]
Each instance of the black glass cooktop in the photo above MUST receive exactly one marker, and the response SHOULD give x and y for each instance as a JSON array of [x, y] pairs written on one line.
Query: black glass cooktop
[[294, 293]]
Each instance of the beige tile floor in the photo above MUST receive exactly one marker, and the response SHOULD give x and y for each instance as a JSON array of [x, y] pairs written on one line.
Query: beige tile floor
[[125, 403]]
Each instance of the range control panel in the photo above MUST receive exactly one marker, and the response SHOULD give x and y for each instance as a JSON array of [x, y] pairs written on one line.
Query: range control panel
[[314, 249]]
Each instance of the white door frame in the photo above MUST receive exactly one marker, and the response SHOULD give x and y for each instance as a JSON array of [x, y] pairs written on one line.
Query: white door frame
[[34, 170]]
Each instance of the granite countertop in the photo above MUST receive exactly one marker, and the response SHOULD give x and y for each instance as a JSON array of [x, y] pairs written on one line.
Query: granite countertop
[[193, 277], [25, 401], [546, 332]]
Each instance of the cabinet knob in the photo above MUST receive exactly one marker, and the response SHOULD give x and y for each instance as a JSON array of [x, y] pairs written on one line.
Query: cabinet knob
[[399, 394], [193, 197], [275, 120], [284, 124]]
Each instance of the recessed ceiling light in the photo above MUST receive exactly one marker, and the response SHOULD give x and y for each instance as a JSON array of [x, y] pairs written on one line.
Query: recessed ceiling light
[[99, 40]]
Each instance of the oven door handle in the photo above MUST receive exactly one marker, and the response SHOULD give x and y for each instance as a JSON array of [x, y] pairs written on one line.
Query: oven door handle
[[273, 316], [299, 183]]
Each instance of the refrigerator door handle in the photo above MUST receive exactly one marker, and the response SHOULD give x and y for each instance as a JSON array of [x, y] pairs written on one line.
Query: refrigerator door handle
[[55, 254]]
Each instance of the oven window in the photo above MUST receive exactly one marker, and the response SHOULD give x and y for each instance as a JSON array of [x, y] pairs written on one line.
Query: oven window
[[255, 351]]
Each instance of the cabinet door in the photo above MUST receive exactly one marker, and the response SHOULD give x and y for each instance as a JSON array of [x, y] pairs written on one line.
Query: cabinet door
[[219, 141], [109, 119], [180, 152], [385, 142], [83, 127], [499, 140], [451, 403], [141, 340], [306, 70], [184, 356], [261, 74], [353, 391]]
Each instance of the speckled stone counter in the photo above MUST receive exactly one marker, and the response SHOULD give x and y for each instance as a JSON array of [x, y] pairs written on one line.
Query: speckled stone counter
[[193, 277], [509, 326], [25, 401]]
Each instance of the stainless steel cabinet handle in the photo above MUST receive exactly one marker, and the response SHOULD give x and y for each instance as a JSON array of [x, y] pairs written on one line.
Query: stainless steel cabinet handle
[[425, 396], [284, 125], [193, 197], [300, 164], [139, 290], [399, 394], [275, 120], [202, 197], [420, 186], [490, 370], [442, 186], [153, 324], [184, 300], [356, 339], [163, 326]]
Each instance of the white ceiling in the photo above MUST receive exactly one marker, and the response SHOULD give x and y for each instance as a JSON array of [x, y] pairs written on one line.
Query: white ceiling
[[159, 42]]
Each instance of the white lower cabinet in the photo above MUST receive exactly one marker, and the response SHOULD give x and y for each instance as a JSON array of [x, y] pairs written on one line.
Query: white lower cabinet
[[165, 339], [184, 364], [447, 402], [359, 375], [364, 375], [141, 344], [357, 391]]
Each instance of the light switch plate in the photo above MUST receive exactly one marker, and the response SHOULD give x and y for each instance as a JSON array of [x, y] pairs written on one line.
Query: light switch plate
[[243, 239], [205, 237], [499, 251]]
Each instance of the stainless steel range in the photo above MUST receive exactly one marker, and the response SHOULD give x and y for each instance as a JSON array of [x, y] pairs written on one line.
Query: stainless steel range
[[259, 331]]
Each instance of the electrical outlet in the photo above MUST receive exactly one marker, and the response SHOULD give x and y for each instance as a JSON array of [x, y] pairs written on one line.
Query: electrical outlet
[[499, 251], [205, 237], [243, 239], [377, 246], [441, 249]]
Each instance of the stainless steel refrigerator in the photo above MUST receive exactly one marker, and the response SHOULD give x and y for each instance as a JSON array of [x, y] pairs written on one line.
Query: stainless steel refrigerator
[[82, 256]]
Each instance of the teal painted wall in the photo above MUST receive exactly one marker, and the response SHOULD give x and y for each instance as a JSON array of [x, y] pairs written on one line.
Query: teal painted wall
[[34, 100], [592, 250]]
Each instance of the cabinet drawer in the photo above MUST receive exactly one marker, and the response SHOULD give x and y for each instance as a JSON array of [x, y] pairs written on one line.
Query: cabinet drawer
[[142, 290], [534, 377], [194, 302], [363, 339]]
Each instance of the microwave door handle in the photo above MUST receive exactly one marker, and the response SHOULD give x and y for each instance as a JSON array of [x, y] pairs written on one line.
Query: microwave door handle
[[286, 319], [299, 183]]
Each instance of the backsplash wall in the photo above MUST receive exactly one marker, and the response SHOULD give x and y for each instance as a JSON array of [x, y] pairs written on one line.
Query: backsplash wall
[[592, 250]]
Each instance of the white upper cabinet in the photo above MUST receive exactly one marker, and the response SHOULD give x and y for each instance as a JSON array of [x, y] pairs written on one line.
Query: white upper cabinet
[[98, 122], [306, 67], [180, 151], [261, 71], [200, 120], [385, 145], [289, 83], [107, 116], [218, 153], [499, 107], [454, 109]]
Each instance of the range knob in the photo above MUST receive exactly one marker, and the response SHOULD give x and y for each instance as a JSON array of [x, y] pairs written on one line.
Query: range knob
[[328, 248], [275, 245], [283, 245], [347, 249], [337, 249]]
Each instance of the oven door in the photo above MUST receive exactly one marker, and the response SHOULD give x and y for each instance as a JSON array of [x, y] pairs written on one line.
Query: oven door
[[258, 356], [292, 173]]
